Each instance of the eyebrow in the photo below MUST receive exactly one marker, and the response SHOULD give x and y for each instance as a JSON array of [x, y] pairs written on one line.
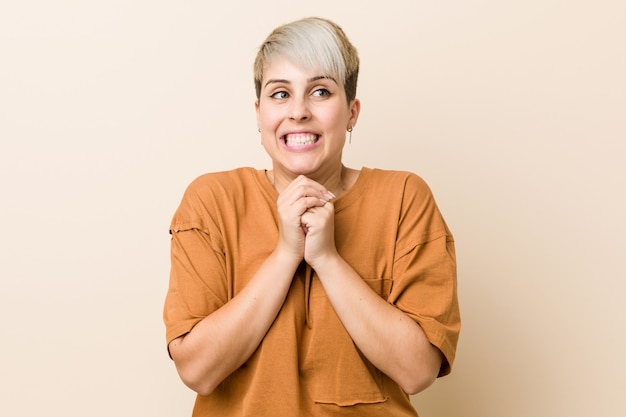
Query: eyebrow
[[310, 80]]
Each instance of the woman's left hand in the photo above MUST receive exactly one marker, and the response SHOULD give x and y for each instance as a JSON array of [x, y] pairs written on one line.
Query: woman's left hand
[[319, 226]]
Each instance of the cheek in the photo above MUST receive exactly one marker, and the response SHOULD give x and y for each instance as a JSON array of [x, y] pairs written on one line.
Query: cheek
[[268, 119], [336, 119]]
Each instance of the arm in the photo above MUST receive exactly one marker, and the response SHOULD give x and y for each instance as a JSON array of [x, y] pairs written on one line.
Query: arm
[[224, 340], [221, 342], [389, 338]]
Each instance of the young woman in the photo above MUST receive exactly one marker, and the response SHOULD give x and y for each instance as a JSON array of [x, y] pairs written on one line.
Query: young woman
[[310, 289]]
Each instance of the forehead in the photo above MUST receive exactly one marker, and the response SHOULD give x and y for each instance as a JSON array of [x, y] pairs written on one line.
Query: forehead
[[282, 68]]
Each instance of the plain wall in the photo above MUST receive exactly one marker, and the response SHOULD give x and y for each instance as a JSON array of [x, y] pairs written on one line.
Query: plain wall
[[514, 113]]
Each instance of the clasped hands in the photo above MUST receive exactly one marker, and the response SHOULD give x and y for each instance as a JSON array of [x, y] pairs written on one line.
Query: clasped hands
[[307, 220]]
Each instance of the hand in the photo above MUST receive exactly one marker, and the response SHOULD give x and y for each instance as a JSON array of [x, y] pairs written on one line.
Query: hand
[[301, 194], [319, 223]]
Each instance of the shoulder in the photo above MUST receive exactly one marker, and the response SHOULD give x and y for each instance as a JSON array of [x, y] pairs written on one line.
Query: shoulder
[[413, 195], [209, 194], [420, 220], [397, 181], [223, 181]]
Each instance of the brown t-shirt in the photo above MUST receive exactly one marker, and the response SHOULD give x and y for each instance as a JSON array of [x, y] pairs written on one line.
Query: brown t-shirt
[[387, 227]]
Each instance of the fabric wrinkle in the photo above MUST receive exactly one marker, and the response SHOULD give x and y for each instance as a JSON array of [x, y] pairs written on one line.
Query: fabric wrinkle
[[301, 368], [308, 283]]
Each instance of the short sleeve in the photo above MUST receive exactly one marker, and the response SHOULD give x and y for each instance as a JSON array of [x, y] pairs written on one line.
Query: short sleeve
[[425, 281], [198, 284]]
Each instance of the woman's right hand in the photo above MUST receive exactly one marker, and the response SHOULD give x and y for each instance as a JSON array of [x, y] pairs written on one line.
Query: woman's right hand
[[300, 195]]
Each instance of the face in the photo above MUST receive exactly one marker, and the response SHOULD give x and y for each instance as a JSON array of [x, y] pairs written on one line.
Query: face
[[303, 117]]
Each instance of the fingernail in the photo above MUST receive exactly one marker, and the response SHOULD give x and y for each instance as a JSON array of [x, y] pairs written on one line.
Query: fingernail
[[330, 195]]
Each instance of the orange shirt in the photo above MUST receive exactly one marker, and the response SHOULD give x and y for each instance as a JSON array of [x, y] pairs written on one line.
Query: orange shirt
[[387, 227]]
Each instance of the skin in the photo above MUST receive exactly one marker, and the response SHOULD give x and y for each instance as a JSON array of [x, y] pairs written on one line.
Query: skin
[[294, 102], [308, 175]]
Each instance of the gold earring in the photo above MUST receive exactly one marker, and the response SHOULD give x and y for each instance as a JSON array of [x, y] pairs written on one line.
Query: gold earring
[[350, 136]]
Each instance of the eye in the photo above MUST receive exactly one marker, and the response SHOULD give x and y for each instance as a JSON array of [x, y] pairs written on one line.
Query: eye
[[280, 95], [321, 92]]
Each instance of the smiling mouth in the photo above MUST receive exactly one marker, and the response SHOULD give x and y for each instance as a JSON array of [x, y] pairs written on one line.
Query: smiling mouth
[[300, 139]]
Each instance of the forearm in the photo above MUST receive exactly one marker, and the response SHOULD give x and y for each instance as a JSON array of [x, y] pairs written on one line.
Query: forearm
[[224, 340], [390, 339]]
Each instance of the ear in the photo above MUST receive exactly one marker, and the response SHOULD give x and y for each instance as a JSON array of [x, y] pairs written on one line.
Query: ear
[[355, 109], [256, 109]]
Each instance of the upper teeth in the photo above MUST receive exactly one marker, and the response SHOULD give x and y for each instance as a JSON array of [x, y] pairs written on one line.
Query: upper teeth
[[300, 139]]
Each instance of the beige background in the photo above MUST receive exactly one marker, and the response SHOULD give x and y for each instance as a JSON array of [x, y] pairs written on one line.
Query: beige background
[[514, 112]]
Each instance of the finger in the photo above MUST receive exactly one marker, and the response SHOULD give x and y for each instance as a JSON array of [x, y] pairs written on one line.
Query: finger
[[323, 211], [293, 195], [318, 205], [305, 204], [308, 192], [305, 187]]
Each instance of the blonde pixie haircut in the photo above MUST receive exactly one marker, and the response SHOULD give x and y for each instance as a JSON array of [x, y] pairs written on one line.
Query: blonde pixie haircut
[[311, 43]]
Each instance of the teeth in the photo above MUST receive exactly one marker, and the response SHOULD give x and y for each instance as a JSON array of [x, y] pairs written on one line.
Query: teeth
[[299, 139]]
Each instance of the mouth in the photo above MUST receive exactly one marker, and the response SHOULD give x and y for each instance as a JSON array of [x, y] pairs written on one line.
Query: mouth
[[300, 140]]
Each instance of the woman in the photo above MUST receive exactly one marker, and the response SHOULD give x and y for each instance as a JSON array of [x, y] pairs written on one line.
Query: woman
[[310, 289]]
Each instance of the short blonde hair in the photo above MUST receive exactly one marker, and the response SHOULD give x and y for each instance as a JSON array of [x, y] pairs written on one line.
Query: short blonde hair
[[311, 43]]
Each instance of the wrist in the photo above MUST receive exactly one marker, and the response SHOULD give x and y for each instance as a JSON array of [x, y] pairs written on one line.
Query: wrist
[[286, 257], [326, 263]]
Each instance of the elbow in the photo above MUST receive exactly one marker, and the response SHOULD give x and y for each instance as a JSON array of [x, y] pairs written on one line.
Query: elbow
[[417, 383], [201, 384], [424, 374], [191, 372]]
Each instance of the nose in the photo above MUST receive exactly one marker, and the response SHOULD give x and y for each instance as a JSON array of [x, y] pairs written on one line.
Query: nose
[[299, 110]]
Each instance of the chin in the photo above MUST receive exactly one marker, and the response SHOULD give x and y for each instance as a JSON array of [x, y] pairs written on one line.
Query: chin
[[302, 169]]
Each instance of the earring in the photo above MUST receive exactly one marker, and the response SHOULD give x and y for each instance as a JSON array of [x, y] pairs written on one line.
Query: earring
[[350, 136]]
